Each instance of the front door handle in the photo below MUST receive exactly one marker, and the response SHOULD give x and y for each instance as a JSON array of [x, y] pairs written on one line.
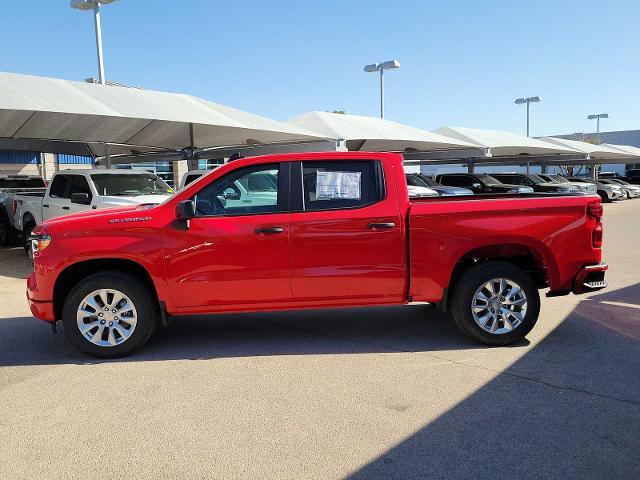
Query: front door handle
[[66, 208], [45, 205], [381, 226], [269, 230]]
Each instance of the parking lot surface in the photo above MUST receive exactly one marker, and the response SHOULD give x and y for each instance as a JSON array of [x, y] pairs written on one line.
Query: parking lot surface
[[354, 393]]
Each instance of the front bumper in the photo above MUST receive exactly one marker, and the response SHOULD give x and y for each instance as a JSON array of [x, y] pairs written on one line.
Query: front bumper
[[590, 279], [41, 309]]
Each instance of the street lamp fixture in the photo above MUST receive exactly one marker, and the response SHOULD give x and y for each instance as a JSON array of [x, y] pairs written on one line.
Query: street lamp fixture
[[95, 6], [527, 100], [597, 117], [381, 67]]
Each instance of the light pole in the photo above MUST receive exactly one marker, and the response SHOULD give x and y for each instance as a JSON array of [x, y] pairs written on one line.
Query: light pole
[[598, 117], [527, 100], [381, 67], [95, 6]]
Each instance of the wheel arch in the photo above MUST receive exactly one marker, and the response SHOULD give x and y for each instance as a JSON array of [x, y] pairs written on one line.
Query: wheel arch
[[525, 256], [75, 273]]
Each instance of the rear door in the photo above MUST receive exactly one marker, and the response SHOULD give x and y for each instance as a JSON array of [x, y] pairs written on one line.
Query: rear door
[[347, 240]]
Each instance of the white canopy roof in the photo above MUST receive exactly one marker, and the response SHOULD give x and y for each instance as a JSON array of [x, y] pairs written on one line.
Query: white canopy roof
[[627, 149], [51, 109], [599, 152], [375, 134], [502, 143]]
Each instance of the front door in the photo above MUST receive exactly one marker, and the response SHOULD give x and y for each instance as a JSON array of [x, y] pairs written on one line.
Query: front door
[[236, 250], [347, 241]]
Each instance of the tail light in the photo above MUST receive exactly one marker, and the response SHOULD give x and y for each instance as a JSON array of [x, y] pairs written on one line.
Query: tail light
[[14, 208], [596, 236], [594, 210]]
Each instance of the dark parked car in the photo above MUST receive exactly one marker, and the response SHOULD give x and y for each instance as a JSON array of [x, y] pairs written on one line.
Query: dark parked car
[[480, 183], [537, 183], [633, 176], [419, 180]]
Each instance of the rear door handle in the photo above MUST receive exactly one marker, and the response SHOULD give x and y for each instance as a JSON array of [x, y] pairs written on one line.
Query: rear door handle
[[381, 226], [66, 208], [269, 230]]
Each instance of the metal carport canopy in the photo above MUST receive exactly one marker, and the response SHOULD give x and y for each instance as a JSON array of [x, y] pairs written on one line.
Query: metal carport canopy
[[55, 112], [380, 135], [598, 153]]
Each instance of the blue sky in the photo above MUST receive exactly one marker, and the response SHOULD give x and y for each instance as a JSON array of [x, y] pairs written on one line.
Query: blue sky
[[463, 62]]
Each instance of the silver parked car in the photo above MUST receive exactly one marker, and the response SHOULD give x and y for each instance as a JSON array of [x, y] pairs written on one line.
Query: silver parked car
[[608, 193], [631, 190]]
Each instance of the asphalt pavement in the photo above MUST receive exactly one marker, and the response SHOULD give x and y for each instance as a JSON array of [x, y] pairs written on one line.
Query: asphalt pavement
[[351, 393]]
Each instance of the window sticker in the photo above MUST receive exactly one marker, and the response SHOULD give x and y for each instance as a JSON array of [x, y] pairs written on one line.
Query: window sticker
[[338, 185]]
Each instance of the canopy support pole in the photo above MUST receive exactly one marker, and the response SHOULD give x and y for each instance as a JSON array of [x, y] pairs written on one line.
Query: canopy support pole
[[107, 157]]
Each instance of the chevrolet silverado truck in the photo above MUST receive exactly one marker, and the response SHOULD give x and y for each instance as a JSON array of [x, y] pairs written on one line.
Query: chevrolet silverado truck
[[339, 231], [72, 191]]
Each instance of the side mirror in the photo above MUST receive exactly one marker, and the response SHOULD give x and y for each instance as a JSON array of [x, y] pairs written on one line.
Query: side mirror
[[231, 193], [185, 210], [80, 198]]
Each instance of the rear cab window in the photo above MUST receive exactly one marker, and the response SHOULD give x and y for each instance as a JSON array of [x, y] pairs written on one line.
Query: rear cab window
[[58, 187], [332, 185]]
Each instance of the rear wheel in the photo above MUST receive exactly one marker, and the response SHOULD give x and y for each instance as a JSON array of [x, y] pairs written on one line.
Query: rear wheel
[[109, 314], [496, 303], [7, 233]]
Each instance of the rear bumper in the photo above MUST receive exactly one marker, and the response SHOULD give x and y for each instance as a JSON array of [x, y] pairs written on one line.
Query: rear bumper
[[590, 279]]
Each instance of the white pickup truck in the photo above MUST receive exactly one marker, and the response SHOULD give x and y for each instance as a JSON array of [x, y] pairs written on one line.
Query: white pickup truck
[[72, 191], [10, 186]]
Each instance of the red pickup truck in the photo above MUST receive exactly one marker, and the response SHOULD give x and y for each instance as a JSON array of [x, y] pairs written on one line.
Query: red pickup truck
[[311, 230]]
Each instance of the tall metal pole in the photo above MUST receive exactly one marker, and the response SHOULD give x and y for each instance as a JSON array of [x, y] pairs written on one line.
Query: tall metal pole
[[96, 16], [527, 117], [598, 128], [382, 93]]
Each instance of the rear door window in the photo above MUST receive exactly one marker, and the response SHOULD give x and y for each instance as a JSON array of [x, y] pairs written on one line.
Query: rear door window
[[330, 185]]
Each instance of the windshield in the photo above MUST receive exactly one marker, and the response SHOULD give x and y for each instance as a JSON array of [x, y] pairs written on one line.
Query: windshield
[[559, 179], [416, 181], [429, 181], [536, 178], [127, 185], [488, 180]]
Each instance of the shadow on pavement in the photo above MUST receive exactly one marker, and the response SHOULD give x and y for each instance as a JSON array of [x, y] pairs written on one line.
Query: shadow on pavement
[[27, 341], [570, 408], [14, 263]]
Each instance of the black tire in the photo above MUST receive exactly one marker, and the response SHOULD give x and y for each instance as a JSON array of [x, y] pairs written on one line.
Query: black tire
[[604, 197], [143, 299], [27, 228], [472, 280], [7, 233]]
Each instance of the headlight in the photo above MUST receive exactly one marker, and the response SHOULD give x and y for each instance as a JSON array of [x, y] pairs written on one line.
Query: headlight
[[40, 242]]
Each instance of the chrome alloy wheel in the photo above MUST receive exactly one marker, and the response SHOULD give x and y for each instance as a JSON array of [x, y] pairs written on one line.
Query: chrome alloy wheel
[[499, 306], [106, 317]]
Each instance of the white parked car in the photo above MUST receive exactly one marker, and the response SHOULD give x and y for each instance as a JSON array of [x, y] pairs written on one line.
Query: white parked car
[[10, 186], [72, 191], [192, 176]]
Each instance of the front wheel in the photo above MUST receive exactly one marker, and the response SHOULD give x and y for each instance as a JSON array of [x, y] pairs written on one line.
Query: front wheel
[[604, 197], [496, 303], [109, 314]]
